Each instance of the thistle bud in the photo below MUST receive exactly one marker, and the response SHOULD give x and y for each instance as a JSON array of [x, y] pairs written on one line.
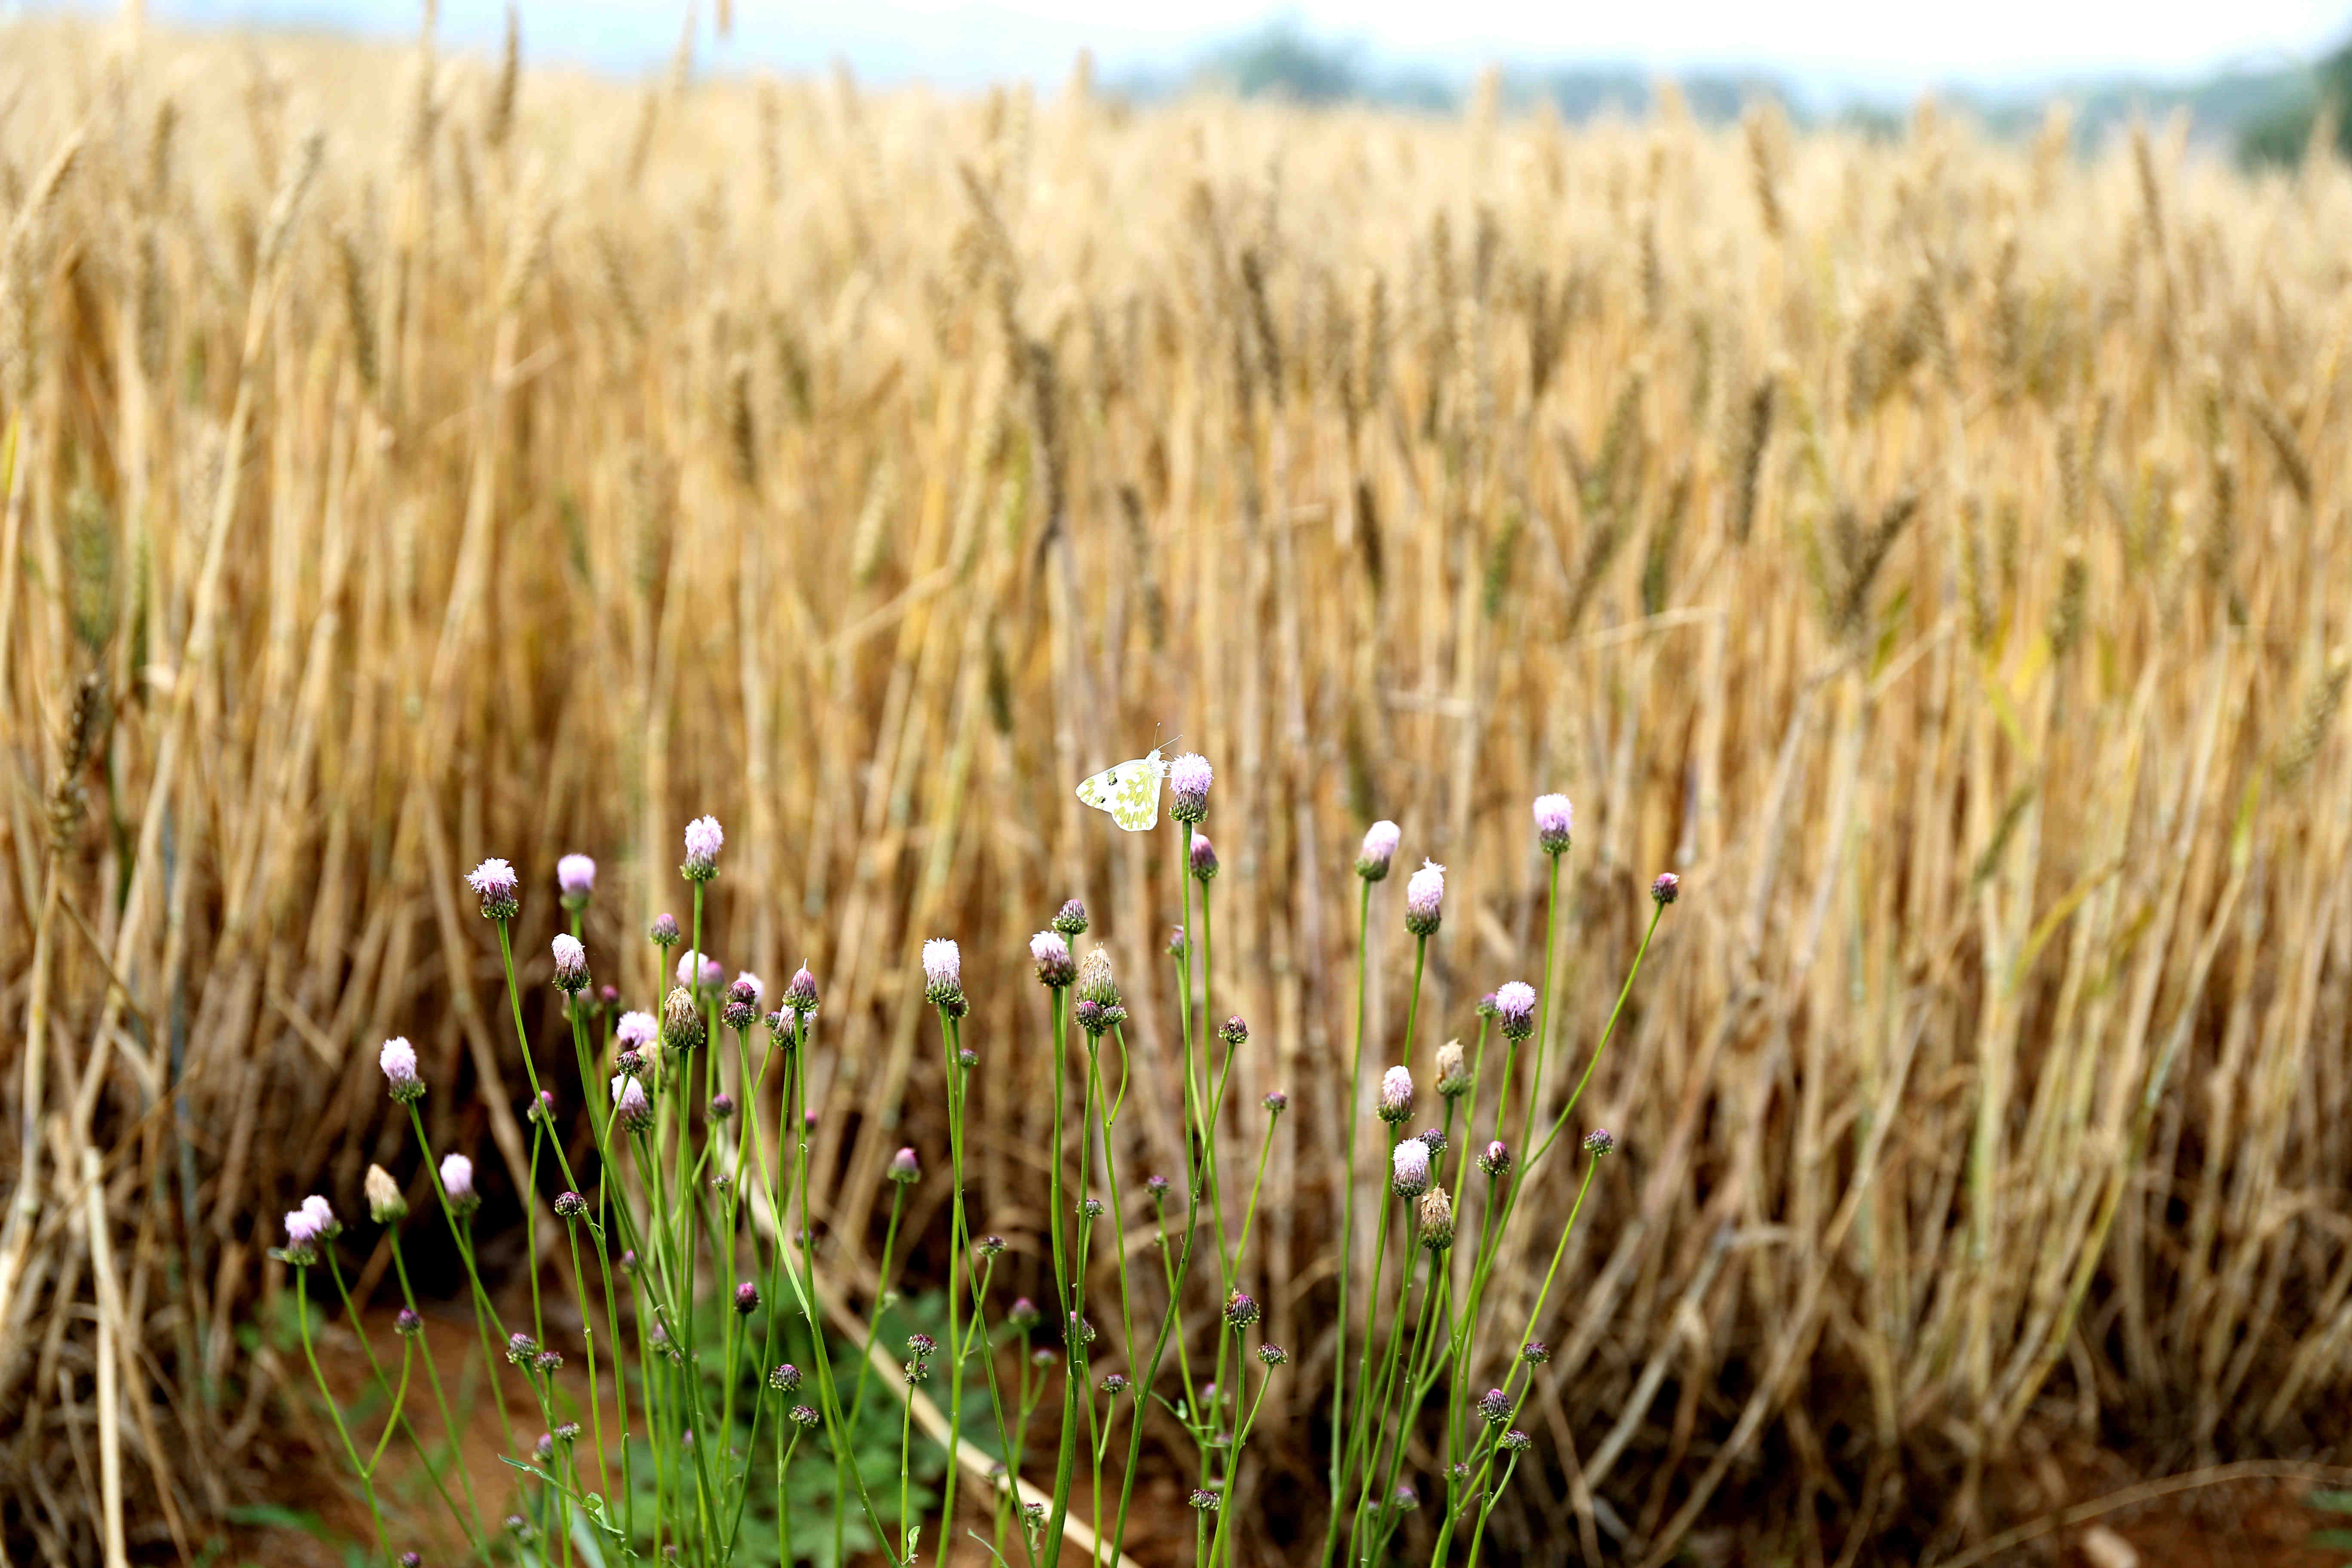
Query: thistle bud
[[966, 1058], [703, 841], [570, 1206], [1452, 1072], [1177, 945], [408, 1325], [1092, 1208], [1051, 952], [1272, 1355], [1100, 1007], [1203, 1500], [1396, 1094], [1535, 1352], [943, 976], [1515, 1009], [1070, 919], [1203, 859], [1666, 888], [306, 1227], [1436, 1220], [1514, 1442], [1241, 1310], [905, 1168], [398, 1059], [1022, 1314], [664, 931], [786, 1378], [800, 993], [1599, 1141], [1496, 1160], [1157, 1186], [1486, 1007], [1555, 820], [1494, 1406], [1408, 1168], [1233, 1032], [1424, 899], [1405, 1499], [457, 1183], [922, 1346], [575, 878], [1115, 1384], [570, 965], [1433, 1139], [723, 1107], [1188, 777], [700, 970], [386, 1204], [521, 1349], [682, 1028], [989, 1246], [742, 1008], [636, 1031], [499, 888], [747, 1299], [631, 1109], [1379, 848], [1276, 1101], [802, 1416], [412, 1560]]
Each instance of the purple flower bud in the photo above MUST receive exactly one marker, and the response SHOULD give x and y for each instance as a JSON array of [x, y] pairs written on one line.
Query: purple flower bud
[[786, 1378], [1022, 1314], [723, 1107], [1070, 919], [1241, 1310], [457, 1183], [1496, 1160], [1379, 848], [700, 970], [1495, 1405], [631, 1109], [747, 1299], [412, 1560], [500, 888], [544, 1449], [922, 1347], [802, 1416], [1433, 1139], [521, 1348], [1514, 1442], [1424, 898], [1396, 1094], [1272, 1355], [1276, 1101], [703, 842], [1203, 859], [1666, 888], [1408, 1168], [1599, 1141], [1157, 1186], [547, 1360], [1177, 944], [629, 1262], [1188, 777], [1235, 1032], [1115, 1384], [398, 1059], [1405, 1499], [1535, 1352], [636, 1031], [800, 993], [989, 1246], [1051, 952], [575, 878], [610, 996], [905, 1168], [1555, 821], [742, 1009], [306, 1227], [1515, 1009], [408, 1325], [1486, 1008], [570, 1205], [570, 965], [1203, 1500], [966, 1058], [664, 931]]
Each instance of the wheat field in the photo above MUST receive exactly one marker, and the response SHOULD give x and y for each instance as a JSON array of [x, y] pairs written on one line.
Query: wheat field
[[1934, 550]]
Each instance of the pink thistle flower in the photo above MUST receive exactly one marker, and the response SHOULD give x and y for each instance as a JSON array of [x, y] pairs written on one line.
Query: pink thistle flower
[[570, 964], [631, 1109], [1051, 952], [575, 878], [1408, 1168], [1515, 1009], [636, 1031], [905, 1167], [500, 888], [704, 838], [701, 969], [457, 1183], [1555, 822], [1379, 848], [1666, 888], [1424, 898], [1188, 777], [1396, 1094], [398, 1059]]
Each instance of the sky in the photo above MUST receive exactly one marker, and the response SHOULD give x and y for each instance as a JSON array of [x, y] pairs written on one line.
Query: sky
[[1830, 46]]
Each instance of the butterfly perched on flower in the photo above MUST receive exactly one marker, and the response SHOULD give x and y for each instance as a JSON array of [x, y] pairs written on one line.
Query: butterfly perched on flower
[[1129, 792]]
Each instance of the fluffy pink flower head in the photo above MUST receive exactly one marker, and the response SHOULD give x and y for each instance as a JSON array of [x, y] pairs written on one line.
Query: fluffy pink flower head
[[398, 1059], [1666, 888], [1379, 848], [1396, 1093], [636, 1031], [631, 1109], [457, 1181], [693, 966], [1555, 822], [943, 975], [1515, 1009], [1188, 777], [1408, 1168], [571, 963], [306, 1226], [1425, 899], [1051, 952], [499, 888], [704, 839], [575, 878]]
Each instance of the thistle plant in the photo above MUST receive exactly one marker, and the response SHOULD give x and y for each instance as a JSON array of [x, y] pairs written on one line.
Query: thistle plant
[[700, 1380]]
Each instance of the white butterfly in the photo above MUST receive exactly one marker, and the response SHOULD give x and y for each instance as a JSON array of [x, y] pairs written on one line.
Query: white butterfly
[[1129, 792]]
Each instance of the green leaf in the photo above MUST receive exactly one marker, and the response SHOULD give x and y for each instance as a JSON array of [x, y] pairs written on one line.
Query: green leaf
[[274, 1516], [2330, 1502]]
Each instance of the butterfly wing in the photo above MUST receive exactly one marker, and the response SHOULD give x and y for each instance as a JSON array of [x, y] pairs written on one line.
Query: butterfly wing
[[1129, 792]]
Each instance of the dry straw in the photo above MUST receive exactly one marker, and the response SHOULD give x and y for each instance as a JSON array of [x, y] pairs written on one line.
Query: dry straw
[[1954, 595]]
